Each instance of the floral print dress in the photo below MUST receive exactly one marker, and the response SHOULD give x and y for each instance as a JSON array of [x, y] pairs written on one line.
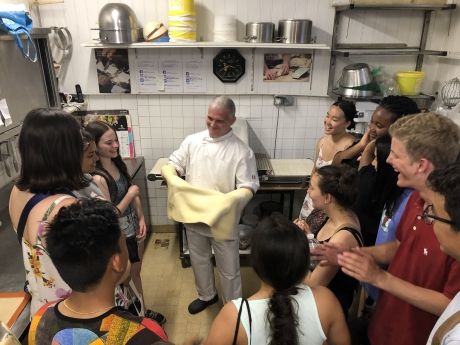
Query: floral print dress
[[43, 280]]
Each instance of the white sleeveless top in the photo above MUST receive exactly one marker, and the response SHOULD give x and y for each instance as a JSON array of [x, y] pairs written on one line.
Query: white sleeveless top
[[310, 330]]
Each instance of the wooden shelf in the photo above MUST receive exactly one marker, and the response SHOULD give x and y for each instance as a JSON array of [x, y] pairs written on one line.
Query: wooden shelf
[[159, 45]]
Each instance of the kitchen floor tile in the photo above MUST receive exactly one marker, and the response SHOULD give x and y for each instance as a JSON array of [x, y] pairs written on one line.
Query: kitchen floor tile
[[169, 288]]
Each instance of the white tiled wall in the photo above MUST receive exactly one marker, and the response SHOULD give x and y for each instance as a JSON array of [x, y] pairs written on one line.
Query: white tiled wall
[[161, 122]]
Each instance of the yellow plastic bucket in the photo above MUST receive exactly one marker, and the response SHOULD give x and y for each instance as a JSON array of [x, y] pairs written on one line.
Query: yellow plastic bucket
[[410, 82]]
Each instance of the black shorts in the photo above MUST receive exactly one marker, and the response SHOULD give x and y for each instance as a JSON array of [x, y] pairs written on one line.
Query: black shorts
[[133, 249]]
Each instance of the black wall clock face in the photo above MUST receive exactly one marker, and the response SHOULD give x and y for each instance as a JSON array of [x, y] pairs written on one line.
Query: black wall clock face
[[228, 65]]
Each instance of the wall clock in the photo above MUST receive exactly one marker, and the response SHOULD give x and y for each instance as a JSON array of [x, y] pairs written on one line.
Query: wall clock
[[228, 65]]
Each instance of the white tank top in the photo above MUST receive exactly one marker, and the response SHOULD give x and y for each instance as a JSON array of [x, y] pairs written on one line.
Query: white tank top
[[310, 330]]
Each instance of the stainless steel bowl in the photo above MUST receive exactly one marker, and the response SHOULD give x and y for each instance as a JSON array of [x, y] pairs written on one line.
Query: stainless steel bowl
[[356, 75], [294, 31], [118, 24], [352, 93], [261, 32]]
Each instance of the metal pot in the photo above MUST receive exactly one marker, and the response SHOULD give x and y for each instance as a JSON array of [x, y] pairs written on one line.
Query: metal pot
[[294, 31], [356, 75], [118, 24], [261, 32]]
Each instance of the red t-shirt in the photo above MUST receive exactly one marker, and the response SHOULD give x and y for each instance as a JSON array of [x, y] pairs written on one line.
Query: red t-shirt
[[419, 261]]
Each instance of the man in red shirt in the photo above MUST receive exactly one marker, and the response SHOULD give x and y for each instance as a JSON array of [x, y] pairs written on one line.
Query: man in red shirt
[[421, 279]]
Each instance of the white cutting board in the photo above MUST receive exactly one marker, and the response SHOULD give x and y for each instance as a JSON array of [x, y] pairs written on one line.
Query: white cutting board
[[292, 167]]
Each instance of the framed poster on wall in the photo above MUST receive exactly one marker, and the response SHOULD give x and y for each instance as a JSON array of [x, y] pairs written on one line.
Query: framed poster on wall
[[119, 120]]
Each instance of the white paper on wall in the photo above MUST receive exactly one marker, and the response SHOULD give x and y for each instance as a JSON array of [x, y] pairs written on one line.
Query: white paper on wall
[[194, 76], [5, 113], [147, 74], [171, 71]]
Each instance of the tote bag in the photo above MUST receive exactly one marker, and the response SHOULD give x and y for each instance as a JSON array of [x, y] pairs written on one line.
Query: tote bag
[[18, 23]]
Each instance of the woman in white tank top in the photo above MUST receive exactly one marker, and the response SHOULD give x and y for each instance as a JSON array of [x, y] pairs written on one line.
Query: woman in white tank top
[[283, 311]]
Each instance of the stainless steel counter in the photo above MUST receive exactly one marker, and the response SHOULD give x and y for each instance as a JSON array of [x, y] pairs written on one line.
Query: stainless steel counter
[[133, 165]]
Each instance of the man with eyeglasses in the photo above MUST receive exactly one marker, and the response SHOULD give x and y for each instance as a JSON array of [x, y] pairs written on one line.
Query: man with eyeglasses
[[421, 279], [444, 213]]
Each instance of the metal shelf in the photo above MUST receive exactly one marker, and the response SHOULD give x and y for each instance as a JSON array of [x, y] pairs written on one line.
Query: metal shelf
[[386, 51], [377, 98], [383, 49], [413, 7], [152, 45]]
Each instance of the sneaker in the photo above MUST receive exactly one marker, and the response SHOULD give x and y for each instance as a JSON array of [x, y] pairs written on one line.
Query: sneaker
[[198, 305], [156, 316]]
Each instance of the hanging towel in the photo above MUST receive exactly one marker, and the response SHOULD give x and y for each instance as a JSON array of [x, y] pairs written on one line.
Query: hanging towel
[[191, 204]]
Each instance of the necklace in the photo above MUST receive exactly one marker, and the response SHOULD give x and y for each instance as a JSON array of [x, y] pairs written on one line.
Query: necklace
[[85, 313]]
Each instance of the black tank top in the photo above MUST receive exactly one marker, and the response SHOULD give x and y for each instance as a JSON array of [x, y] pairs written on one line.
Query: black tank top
[[343, 286]]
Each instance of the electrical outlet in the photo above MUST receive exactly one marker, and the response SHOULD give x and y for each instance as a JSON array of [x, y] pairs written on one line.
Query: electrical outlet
[[283, 100]]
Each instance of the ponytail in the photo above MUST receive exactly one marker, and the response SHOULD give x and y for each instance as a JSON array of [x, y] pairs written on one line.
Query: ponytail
[[282, 317]]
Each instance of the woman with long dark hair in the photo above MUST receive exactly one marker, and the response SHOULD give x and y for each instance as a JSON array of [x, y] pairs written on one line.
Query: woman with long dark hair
[[283, 311], [112, 178], [51, 147], [332, 190]]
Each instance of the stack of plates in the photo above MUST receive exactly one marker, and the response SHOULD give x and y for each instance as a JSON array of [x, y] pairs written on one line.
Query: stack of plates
[[181, 21], [224, 28]]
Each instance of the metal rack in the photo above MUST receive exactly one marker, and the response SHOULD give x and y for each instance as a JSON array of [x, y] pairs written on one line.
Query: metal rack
[[392, 49]]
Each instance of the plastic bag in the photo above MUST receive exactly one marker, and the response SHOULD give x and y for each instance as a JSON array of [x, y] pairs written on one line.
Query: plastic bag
[[18, 23], [386, 84]]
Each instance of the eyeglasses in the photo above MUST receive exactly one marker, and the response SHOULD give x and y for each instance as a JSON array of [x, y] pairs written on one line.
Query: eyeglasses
[[428, 216]]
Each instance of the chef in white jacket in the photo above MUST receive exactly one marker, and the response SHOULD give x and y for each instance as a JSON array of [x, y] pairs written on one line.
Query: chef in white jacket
[[215, 159]]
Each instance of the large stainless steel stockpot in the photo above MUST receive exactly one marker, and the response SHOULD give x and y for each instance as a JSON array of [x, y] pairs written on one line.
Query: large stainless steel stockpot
[[294, 31], [260, 32]]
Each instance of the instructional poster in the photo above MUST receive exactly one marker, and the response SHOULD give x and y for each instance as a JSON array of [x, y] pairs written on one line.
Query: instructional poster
[[113, 70], [147, 75], [171, 71], [194, 76], [287, 67]]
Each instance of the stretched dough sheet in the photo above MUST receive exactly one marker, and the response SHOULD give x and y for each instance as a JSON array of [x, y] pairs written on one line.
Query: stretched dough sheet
[[13, 303]]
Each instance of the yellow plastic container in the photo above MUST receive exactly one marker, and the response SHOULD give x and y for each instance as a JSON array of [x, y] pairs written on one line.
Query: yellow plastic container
[[410, 82], [181, 8]]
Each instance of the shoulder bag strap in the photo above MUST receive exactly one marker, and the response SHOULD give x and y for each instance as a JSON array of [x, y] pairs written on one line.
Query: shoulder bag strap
[[250, 320], [243, 300], [111, 184], [445, 327], [25, 213]]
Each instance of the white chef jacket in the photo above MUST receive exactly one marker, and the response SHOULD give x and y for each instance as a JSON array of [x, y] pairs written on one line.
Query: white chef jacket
[[221, 164]]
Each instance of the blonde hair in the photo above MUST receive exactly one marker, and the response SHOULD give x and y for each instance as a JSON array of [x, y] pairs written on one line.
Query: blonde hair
[[430, 136]]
